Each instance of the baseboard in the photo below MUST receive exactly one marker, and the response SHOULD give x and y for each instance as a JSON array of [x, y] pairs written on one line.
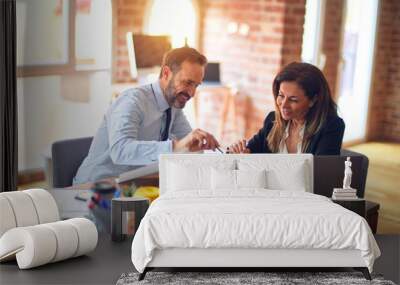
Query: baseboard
[[30, 176]]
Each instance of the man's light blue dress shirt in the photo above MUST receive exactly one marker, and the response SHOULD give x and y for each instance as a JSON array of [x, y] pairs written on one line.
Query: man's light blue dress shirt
[[130, 134]]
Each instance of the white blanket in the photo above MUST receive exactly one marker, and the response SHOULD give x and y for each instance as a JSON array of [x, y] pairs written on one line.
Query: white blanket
[[254, 218]]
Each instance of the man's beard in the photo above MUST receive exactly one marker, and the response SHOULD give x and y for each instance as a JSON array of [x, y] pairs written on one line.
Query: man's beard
[[178, 100]]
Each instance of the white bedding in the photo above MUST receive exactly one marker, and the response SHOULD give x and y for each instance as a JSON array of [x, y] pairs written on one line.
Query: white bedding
[[251, 218]]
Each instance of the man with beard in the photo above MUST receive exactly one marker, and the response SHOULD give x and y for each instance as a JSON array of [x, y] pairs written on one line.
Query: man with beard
[[146, 121]]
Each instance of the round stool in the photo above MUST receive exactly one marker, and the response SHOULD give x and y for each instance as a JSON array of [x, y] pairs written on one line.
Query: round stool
[[126, 204]]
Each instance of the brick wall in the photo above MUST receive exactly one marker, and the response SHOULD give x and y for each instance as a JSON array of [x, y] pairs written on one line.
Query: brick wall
[[384, 116], [384, 111], [128, 16], [391, 128], [250, 62], [331, 41]]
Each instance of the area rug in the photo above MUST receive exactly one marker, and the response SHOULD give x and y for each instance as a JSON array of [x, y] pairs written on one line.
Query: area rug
[[229, 278]]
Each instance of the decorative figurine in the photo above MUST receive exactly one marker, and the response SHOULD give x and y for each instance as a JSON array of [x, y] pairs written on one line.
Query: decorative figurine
[[345, 193], [347, 174]]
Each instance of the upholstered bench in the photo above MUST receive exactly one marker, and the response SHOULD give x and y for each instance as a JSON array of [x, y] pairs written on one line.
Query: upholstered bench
[[31, 233]]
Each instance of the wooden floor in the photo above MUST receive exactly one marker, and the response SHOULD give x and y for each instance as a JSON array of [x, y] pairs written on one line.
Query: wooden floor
[[383, 182]]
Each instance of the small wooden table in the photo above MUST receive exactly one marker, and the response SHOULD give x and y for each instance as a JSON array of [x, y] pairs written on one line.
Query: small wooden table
[[125, 204], [366, 209], [355, 205]]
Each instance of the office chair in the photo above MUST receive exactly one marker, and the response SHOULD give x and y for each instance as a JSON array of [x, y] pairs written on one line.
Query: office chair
[[329, 172], [67, 156]]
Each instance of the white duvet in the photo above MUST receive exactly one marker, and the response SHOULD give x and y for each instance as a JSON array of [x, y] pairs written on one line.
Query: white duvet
[[253, 218]]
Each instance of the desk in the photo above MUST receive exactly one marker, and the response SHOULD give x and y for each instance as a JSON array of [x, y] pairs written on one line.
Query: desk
[[149, 180]]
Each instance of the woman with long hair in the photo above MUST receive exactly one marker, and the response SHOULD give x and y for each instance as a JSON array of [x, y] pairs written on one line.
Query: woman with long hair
[[305, 119]]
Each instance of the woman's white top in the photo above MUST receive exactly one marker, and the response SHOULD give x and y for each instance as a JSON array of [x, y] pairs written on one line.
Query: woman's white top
[[282, 145]]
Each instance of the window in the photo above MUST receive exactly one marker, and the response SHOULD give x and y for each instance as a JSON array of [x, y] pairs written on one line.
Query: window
[[355, 68], [313, 27], [176, 18], [37, 22], [61, 37], [179, 20]]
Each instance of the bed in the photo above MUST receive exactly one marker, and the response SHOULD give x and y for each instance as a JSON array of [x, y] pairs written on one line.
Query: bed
[[247, 210]]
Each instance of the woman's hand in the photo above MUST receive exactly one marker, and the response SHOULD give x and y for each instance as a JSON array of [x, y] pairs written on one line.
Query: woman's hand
[[238, 147]]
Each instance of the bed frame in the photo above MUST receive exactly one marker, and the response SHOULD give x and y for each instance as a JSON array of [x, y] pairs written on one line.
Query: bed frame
[[242, 258], [256, 258]]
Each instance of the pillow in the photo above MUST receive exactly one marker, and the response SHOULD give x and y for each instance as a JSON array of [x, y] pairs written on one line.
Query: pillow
[[183, 177], [285, 174], [292, 179], [223, 179], [227, 179], [186, 174], [251, 178]]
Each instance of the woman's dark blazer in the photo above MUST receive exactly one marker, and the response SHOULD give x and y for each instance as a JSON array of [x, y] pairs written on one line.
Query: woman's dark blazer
[[328, 141]]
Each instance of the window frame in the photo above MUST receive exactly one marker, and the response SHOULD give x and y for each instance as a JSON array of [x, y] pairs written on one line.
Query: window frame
[[56, 69]]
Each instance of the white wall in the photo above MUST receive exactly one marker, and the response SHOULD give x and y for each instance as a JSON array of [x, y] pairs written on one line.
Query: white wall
[[46, 116]]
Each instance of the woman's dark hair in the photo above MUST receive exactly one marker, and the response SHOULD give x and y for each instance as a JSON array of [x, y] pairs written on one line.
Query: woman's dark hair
[[174, 58], [316, 88]]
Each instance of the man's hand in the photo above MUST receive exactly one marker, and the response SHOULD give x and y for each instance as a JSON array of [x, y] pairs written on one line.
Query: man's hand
[[196, 140], [238, 147]]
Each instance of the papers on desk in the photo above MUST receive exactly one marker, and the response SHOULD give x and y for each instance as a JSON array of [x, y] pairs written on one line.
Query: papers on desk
[[68, 206], [216, 151], [138, 172]]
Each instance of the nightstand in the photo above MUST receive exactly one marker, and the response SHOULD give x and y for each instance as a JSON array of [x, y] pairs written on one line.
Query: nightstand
[[354, 205], [372, 215]]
